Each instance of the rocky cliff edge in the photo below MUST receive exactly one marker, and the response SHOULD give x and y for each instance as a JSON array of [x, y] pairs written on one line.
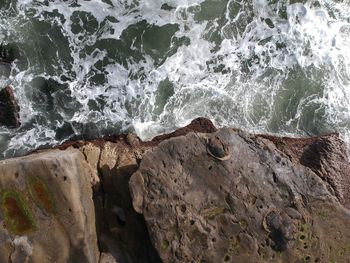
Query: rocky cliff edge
[[196, 195]]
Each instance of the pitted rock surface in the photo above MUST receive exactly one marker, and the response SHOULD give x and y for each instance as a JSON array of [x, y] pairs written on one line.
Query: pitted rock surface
[[257, 206], [195, 195], [46, 209]]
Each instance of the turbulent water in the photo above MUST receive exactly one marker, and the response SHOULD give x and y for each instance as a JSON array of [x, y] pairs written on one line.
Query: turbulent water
[[90, 68]]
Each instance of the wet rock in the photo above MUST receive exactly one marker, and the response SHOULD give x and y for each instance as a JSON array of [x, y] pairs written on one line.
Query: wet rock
[[202, 125], [8, 53], [132, 139], [46, 209], [9, 109]]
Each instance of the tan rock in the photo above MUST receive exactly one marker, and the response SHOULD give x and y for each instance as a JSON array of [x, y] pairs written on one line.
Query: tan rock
[[132, 139], [46, 209], [107, 258], [92, 156], [109, 156]]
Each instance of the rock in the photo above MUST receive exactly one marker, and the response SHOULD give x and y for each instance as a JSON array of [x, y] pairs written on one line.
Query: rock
[[217, 149], [46, 209], [8, 53], [109, 157], [122, 232], [325, 155], [196, 195], [257, 206], [201, 125], [9, 109], [132, 139], [92, 157], [107, 258]]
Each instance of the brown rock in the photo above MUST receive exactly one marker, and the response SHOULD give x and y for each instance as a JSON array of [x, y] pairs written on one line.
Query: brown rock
[[217, 149], [325, 155], [195, 195], [257, 206]]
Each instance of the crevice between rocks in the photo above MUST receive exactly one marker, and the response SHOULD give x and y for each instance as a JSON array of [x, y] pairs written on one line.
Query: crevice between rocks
[[126, 239]]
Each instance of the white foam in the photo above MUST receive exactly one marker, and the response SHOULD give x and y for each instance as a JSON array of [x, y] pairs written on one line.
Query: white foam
[[257, 59]]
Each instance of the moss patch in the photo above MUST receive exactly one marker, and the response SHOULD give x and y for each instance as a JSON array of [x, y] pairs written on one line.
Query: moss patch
[[164, 245], [41, 195], [18, 217]]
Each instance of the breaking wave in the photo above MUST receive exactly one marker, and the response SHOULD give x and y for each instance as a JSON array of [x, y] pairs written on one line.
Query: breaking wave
[[90, 68]]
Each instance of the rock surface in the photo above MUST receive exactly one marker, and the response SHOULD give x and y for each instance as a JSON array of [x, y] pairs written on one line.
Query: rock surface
[[46, 209], [9, 109], [196, 195], [256, 206]]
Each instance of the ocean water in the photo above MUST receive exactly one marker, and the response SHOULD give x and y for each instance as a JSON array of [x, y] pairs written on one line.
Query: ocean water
[[84, 69]]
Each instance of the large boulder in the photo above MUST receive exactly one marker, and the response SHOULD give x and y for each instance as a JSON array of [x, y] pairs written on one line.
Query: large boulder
[[46, 209], [9, 109], [230, 196]]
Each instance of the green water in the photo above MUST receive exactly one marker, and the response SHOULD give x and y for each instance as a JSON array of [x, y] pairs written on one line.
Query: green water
[[84, 69]]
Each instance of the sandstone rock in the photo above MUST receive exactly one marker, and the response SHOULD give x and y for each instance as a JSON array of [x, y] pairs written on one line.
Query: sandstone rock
[[92, 157], [132, 139], [256, 206], [325, 155], [217, 196], [46, 209], [109, 156], [9, 109]]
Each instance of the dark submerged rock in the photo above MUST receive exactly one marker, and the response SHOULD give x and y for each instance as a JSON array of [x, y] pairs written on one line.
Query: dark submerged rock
[[8, 53], [9, 109]]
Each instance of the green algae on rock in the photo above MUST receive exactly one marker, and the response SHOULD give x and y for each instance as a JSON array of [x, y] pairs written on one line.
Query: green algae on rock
[[17, 215], [49, 193]]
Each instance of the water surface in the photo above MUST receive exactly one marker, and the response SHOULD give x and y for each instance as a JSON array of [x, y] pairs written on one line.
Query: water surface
[[90, 68]]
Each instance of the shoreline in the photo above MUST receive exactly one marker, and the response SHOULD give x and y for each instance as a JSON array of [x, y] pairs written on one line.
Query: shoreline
[[197, 193]]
